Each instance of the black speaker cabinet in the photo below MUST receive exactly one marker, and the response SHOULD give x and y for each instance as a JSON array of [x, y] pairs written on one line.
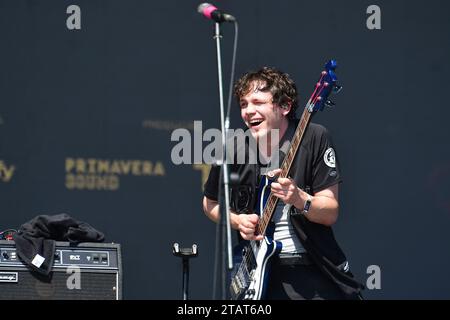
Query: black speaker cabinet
[[88, 271]]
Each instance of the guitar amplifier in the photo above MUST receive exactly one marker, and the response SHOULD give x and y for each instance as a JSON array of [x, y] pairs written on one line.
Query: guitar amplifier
[[88, 271]]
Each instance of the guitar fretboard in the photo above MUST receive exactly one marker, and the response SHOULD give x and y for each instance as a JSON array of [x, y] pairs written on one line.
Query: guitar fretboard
[[285, 167]]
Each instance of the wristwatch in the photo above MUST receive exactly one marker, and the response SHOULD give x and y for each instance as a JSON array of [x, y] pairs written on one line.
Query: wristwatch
[[307, 205]]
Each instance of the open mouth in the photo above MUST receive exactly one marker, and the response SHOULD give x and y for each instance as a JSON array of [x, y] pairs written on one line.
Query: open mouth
[[255, 123]]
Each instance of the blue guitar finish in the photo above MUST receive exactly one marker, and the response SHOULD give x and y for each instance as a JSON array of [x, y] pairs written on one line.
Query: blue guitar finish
[[252, 267]]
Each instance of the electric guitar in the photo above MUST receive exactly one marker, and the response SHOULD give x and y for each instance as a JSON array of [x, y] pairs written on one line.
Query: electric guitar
[[249, 279]]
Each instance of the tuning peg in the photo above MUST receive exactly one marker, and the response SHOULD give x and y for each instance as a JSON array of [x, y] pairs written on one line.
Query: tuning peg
[[329, 104], [337, 88], [331, 64]]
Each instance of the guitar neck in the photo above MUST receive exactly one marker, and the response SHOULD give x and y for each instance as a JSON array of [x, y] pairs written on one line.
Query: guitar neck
[[285, 168]]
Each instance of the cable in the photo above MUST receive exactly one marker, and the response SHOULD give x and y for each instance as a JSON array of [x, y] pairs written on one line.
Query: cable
[[7, 234], [233, 64]]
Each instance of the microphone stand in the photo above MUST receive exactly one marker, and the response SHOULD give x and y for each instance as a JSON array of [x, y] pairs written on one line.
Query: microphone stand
[[224, 211]]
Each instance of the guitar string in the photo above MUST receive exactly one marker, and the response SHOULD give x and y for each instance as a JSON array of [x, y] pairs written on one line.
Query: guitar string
[[271, 202], [272, 199]]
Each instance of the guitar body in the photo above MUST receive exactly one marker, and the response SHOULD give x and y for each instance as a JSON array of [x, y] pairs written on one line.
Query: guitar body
[[249, 279]]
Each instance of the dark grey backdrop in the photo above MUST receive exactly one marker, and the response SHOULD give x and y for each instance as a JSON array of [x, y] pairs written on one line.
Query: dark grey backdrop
[[115, 89]]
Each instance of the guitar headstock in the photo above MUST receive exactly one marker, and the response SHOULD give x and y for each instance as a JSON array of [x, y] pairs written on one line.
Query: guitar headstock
[[326, 85]]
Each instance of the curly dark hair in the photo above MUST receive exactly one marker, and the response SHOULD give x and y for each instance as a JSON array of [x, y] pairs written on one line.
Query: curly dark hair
[[280, 85]]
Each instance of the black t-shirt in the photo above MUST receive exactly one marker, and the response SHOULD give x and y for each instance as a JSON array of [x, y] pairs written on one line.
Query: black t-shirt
[[315, 167]]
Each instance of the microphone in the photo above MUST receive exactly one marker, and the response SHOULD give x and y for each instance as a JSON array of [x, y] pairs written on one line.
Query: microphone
[[211, 12]]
